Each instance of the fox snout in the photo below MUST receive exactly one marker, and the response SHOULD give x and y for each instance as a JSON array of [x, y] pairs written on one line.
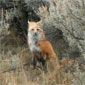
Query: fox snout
[[35, 34]]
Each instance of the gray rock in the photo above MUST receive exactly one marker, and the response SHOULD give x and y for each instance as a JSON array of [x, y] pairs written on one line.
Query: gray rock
[[66, 17]]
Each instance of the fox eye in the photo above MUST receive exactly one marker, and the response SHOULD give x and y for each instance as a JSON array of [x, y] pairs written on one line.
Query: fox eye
[[38, 29], [32, 29]]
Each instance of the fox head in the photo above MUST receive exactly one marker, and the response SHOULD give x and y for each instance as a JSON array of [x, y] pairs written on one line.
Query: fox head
[[36, 31]]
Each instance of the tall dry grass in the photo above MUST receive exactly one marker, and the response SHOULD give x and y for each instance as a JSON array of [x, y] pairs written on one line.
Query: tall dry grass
[[15, 68]]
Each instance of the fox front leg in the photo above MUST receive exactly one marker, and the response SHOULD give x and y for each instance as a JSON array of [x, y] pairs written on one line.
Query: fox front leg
[[43, 62], [34, 61]]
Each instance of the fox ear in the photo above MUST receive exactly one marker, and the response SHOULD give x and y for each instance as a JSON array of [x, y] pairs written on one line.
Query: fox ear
[[28, 21], [39, 22]]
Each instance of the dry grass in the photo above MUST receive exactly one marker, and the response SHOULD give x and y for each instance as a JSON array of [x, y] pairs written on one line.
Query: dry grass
[[15, 67]]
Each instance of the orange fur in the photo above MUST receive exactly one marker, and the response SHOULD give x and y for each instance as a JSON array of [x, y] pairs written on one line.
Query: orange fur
[[47, 49]]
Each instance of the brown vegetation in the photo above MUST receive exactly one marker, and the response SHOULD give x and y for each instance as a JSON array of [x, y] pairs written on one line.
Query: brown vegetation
[[64, 23], [15, 68]]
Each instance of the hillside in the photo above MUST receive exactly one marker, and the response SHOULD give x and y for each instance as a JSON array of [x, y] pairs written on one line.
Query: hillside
[[64, 24]]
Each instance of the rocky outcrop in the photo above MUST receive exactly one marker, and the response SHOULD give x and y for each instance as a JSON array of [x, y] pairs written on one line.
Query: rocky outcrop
[[64, 23]]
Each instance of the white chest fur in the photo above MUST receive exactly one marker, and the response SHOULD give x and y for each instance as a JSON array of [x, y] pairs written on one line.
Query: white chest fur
[[32, 43]]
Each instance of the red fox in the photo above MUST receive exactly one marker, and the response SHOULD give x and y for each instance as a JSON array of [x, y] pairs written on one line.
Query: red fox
[[40, 47]]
